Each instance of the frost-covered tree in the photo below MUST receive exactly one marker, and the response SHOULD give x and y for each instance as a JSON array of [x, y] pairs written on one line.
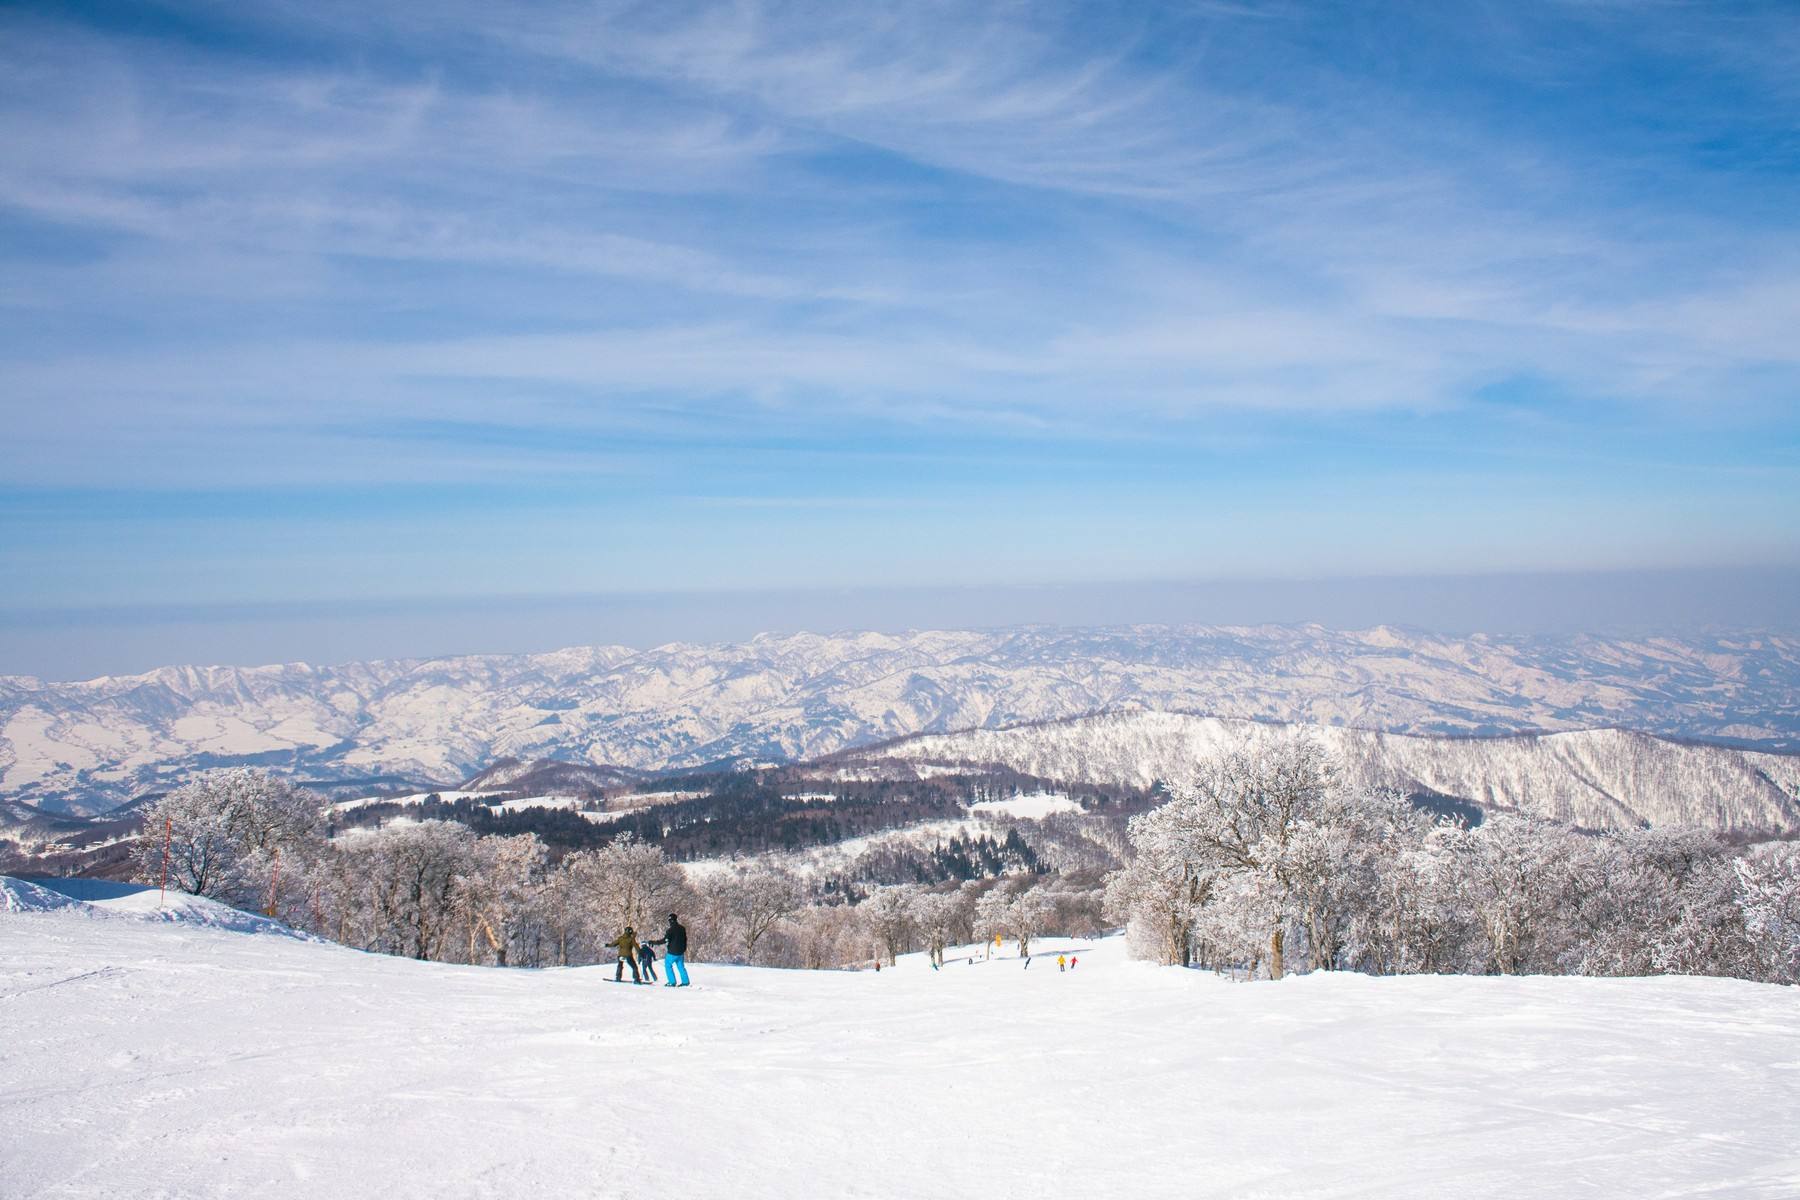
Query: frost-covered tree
[[496, 892], [819, 937], [1240, 814], [1625, 894], [887, 917], [1018, 912], [937, 917], [402, 884], [1514, 871], [626, 882], [560, 910], [1159, 894], [1420, 921], [750, 901], [1768, 893], [226, 831]]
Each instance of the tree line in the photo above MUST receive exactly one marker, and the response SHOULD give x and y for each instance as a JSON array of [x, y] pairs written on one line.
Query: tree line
[[1261, 862]]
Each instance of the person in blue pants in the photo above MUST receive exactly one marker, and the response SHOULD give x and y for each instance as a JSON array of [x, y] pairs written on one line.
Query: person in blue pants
[[674, 943]]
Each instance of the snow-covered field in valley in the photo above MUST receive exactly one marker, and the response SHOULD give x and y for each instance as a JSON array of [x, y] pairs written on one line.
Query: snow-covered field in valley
[[174, 1058]]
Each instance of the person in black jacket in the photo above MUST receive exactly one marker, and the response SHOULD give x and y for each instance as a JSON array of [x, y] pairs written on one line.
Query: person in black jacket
[[674, 943]]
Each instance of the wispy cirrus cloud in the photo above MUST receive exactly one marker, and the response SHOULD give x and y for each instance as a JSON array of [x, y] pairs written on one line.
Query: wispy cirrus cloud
[[1221, 251]]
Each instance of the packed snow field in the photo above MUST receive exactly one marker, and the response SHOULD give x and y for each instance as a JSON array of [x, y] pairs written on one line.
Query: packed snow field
[[181, 1058]]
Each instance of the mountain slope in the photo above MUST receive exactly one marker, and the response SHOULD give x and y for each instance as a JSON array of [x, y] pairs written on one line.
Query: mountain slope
[[1601, 778], [84, 746], [146, 1059]]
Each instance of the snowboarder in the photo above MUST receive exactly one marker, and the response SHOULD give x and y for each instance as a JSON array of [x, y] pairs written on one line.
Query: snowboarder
[[674, 944], [626, 944], [647, 960], [1062, 962]]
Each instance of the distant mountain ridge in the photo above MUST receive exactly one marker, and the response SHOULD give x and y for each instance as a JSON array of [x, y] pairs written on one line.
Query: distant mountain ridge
[[86, 746], [1597, 778]]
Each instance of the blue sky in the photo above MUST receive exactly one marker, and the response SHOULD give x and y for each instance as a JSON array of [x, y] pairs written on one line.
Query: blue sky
[[343, 305]]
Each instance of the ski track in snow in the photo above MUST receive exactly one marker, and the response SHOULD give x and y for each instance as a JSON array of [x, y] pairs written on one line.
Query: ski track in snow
[[168, 1059]]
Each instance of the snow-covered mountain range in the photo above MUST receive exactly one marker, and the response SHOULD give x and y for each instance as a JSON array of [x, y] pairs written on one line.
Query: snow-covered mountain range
[[1601, 778], [85, 746]]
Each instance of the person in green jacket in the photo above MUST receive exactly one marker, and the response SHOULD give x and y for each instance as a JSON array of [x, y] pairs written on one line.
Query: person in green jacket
[[626, 944]]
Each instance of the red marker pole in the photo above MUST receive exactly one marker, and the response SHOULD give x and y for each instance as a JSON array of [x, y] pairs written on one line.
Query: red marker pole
[[274, 885], [168, 835]]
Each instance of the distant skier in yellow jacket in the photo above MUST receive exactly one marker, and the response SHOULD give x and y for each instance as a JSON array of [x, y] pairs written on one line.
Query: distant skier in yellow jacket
[[626, 944]]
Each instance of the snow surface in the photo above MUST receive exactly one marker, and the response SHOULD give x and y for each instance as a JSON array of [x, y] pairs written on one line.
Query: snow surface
[[165, 1060], [105, 899], [448, 797], [21, 895], [1032, 806]]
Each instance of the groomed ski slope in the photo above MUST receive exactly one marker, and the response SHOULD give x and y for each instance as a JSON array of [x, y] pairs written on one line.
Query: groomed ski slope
[[143, 1058]]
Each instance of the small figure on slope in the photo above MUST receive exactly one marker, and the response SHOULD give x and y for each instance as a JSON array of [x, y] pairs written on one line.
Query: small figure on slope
[[626, 944], [1062, 962], [647, 961], [674, 944]]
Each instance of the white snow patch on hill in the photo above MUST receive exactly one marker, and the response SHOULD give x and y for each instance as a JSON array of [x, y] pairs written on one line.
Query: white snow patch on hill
[[134, 902], [448, 797], [1032, 806], [149, 1060], [521, 803], [20, 895]]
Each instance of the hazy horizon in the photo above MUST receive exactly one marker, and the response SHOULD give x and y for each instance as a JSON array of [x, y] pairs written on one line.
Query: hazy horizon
[[76, 644]]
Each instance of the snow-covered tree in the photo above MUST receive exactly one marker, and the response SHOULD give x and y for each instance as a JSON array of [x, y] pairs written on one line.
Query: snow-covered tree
[[226, 830], [1514, 871], [1158, 895], [1017, 912], [887, 916], [749, 901], [1240, 812], [1768, 892], [496, 891], [937, 917], [626, 883], [402, 886]]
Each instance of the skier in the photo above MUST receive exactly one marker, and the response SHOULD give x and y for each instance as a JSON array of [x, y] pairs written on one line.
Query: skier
[[1072, 961], [647, 960], [674, 944], [1062, 962], [626, 944]]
